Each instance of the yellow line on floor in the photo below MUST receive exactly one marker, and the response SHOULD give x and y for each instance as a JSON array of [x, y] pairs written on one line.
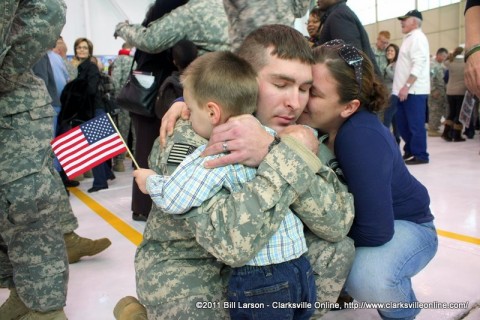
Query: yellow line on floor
[[121, 226], [136, 237], [458, 236]]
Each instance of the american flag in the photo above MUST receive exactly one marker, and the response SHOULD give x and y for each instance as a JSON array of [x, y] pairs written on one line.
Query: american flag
[[88, 145]]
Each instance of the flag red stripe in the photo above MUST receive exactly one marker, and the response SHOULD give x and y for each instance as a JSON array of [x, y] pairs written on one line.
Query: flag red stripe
[[87, 160], [62, 142], [91, 150], [87, 165], [77, 155]]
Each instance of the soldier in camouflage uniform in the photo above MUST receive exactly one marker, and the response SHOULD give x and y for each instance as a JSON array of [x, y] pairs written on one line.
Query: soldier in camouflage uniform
[[383, 40], [244, 16], [437, 100], [33, 203], [180, 268], [121, 70]]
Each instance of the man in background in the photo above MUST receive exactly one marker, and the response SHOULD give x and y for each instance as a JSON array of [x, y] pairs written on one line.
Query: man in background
[[383, 40], [437, 101], [411, 84], [120, 71]]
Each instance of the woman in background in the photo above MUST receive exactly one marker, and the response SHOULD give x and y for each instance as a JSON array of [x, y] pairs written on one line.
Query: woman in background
[[391, 54], [393, 228], [87, 66], [313, 26]]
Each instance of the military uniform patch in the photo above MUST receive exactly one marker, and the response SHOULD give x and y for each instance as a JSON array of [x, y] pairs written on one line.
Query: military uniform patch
[[333, 164], [178, 152]]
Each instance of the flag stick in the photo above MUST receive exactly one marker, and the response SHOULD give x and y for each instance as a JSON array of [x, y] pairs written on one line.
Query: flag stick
[[128, 150]]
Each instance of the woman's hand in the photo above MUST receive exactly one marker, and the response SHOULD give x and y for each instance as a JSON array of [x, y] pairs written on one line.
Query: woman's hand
[[303, 135], [177, 110], [243, 137]]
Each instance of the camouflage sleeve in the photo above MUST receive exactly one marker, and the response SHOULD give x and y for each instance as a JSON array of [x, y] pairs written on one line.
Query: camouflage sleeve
[[161, 34], [234, 227], [26, 33], [300, 7], [117, 76], [326, 207]]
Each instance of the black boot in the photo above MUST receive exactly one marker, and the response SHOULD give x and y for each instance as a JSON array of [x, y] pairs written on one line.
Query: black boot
[[67, 182], [457, 133], [447, 131]]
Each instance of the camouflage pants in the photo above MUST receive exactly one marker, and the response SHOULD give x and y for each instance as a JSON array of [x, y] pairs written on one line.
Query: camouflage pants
[[123, 123], [197, 280], [437, 107], [33, 204], [331, 264]]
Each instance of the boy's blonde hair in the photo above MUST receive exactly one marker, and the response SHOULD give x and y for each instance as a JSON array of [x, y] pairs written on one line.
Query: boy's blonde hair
[[224, 78]]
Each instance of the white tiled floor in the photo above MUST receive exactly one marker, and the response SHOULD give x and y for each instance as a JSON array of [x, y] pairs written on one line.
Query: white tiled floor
[[452, 178]]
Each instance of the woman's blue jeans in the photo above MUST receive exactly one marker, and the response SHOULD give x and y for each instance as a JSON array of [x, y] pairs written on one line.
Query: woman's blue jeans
[[383, 274]]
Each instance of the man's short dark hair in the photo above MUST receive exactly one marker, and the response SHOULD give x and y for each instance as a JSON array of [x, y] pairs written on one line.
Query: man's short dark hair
[[183, 53]]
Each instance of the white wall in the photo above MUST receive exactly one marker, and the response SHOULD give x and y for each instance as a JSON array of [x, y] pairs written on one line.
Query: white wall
[[96, 20]]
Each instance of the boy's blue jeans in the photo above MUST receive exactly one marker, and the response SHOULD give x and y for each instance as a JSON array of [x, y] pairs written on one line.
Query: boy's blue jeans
[[274, 288], [384, 273]]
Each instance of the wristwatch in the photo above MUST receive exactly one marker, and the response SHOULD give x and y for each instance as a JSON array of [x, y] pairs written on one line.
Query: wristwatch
[[276, 140]]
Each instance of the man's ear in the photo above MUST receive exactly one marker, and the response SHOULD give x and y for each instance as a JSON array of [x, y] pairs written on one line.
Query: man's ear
[[350, 108], [215, 113]]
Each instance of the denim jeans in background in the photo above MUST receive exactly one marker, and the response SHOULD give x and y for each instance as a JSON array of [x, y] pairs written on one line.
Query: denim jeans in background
[[383, 274], [103, 171], [411, 125], [389, 116], [287, 282], [56, 164]]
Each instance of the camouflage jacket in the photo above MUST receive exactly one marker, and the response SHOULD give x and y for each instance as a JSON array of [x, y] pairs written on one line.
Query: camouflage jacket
[[234, 227], [202, 22], [121, 71], [380, 58], [244, 16], [24, 39], [437, 83]]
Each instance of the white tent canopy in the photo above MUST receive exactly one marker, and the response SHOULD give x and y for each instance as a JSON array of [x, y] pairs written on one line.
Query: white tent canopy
[[96, 20]]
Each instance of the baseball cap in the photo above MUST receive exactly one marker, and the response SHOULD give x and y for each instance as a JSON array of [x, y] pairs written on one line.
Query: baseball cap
[[411, 13]]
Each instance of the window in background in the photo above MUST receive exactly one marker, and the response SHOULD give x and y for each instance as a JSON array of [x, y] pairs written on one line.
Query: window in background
[[365, 10], [432, 4], [370, 11], [388, 9]]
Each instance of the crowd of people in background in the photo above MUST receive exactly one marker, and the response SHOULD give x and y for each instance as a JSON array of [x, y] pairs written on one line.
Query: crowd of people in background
[[318, 111]]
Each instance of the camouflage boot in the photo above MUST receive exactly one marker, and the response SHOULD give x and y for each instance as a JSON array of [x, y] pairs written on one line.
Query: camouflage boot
[[51, 315], [129, 308], [13, 308], [78, 247]]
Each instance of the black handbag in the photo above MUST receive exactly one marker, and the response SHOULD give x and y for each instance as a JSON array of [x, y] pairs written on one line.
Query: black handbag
[[136, 98]]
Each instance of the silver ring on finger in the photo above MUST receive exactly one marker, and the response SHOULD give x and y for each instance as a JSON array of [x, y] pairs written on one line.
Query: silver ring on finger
[[225, 146]]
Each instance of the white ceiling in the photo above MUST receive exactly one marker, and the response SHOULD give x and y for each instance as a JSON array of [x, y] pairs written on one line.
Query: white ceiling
[[96, 20]]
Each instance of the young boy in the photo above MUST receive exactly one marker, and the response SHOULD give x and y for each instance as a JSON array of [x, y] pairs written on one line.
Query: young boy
[[217, 86]]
